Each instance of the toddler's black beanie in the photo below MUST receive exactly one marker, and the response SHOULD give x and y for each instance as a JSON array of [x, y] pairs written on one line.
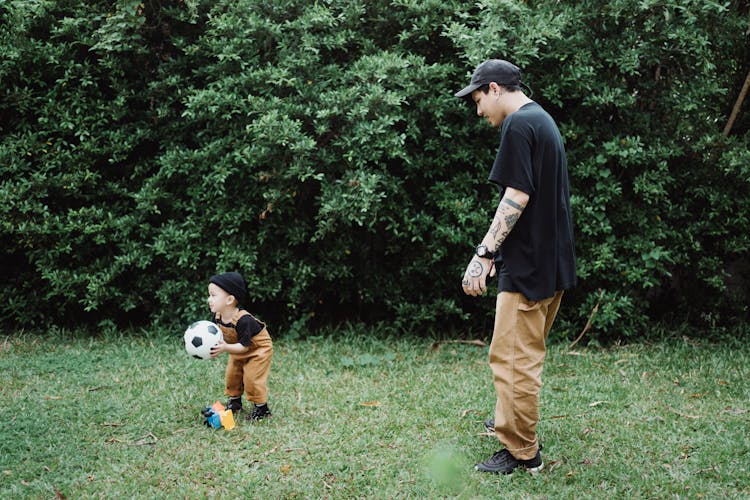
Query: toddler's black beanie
[[233, 284]]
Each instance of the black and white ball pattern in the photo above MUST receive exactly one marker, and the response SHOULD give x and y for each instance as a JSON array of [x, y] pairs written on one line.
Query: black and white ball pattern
[[200, 337]]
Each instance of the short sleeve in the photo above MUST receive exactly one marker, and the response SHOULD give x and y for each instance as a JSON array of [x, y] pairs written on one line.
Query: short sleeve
[[513, 163], [247, 328]]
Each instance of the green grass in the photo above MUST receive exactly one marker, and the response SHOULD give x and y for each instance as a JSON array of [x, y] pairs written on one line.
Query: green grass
[[360, 417]]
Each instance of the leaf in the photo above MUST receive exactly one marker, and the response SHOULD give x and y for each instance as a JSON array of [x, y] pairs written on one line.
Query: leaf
[[553, 464]]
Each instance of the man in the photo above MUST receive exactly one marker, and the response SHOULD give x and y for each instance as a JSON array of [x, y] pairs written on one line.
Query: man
[[530, 246]]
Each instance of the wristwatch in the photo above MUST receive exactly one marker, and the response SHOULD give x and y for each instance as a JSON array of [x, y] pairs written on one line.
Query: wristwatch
[[484, 252]]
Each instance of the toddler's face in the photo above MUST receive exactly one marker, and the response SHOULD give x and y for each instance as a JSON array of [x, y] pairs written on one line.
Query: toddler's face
[[217, 298]]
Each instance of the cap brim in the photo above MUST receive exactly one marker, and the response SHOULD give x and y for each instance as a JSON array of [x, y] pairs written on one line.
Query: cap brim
[[467, 90]]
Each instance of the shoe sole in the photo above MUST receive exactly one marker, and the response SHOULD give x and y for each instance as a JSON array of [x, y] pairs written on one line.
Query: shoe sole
[[250, 418], [535, 470], [531, 470]]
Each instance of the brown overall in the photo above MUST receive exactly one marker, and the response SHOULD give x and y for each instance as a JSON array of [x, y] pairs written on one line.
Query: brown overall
[[249, 370]]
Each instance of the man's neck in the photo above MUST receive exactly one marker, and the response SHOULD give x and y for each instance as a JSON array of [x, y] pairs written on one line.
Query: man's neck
[[515, 101]]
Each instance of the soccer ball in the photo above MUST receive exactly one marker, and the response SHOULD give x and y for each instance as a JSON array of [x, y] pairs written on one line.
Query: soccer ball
[[200, 337]]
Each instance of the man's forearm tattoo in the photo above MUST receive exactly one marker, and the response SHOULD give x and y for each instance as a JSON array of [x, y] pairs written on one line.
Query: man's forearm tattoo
[[509, 216], [511, 219], [495, 231], [512, 203]]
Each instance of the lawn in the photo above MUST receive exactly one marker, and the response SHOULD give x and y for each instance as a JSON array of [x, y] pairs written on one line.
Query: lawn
[[356, 416]]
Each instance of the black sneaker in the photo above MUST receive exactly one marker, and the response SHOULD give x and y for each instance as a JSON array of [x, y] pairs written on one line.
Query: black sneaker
[[260, 412], [489, 425], [503, 462], [234, 404]]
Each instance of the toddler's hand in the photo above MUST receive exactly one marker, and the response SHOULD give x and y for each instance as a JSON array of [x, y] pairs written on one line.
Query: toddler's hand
[[218, 349]]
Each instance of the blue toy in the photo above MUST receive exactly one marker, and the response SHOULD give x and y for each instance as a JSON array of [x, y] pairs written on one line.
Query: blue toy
[[212, 418]]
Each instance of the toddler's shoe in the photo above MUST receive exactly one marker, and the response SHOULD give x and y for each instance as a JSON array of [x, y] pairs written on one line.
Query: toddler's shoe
[[234, 404], [260, 412], [489, 425]]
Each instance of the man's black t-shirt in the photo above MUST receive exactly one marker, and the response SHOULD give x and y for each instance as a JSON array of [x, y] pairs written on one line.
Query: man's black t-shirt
[[537, 257]]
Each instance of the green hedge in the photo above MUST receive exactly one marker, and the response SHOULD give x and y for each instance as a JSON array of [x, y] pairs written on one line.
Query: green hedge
[[317, 148]]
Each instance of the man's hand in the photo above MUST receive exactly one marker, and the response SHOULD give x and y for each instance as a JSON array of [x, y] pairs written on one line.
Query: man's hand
[[475, 277], [507, 214]]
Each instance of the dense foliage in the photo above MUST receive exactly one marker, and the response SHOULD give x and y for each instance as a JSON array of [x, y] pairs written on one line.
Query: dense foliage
[[316, 147]]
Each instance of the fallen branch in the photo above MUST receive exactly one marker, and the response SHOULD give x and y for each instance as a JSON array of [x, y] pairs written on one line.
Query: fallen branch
[[475, 342], [737, 106], [682, 414], [469, 410], [147, 439], [590, 321]]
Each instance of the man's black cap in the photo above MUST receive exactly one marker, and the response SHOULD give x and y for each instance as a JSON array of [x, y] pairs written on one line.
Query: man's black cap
[[493, 70]]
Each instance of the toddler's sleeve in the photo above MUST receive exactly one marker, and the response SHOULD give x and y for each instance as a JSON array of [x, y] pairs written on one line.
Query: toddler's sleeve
[[247, 328]]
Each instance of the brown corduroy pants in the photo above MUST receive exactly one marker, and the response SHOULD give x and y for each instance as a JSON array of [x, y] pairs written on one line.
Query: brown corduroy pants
[[516, 359]]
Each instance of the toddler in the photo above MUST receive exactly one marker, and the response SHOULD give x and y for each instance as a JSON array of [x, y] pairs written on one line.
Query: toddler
[[245, 339]]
